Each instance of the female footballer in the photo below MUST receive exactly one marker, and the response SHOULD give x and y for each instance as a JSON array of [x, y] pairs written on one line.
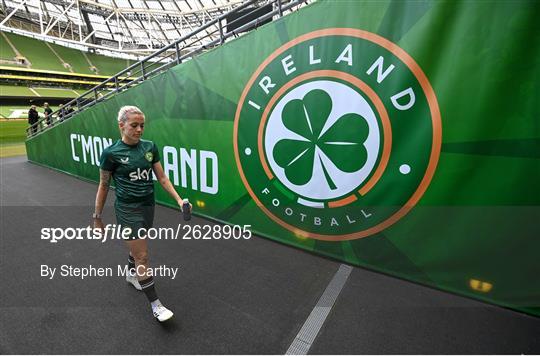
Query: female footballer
[[130, 162]]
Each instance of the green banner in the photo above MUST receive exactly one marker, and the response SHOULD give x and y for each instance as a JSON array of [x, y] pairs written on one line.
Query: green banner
[[402, 136]]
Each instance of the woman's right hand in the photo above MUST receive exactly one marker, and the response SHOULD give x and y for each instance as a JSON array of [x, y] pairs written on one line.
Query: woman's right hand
[[98, 224]]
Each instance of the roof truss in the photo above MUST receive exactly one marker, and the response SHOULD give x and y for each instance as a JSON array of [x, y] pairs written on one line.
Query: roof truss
[[134, 27]]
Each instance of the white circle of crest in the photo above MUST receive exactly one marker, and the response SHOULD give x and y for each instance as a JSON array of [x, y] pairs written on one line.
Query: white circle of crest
[[345, 100]]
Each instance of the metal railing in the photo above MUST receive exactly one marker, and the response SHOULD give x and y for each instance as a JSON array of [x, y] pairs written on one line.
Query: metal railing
[[175, 53]]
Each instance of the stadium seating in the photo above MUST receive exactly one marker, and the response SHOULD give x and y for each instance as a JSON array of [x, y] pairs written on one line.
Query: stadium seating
[[17, 91], [107, 65], [40, 56], [36, 92], [45, 77], [75, 59], [6, 52], [36, 52], [57, 92]]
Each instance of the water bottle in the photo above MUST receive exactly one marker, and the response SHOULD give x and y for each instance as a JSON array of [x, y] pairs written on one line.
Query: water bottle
[[186, 209]]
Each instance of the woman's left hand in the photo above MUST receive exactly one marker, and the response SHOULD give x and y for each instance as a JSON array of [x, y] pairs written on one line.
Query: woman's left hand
[[180, 203]]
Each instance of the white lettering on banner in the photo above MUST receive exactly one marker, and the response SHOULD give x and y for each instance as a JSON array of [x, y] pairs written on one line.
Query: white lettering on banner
[[90, 146], [188, 159], [405, 97], [87, 149], [266, 84], [106, 143], [346, 55], [73, 137], [400, 95], [203, 158], [98, 148], [254, 105], [313, 220], [202, 165], [379, 64], [170, 166], [312, 60], [288, 65]]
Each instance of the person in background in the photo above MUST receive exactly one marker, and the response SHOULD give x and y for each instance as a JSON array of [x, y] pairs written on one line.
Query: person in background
[[33, 118], [61, 112], [67, 111], [48, 113]]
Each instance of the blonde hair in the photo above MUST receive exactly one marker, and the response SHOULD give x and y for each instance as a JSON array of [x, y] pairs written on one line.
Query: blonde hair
[[126, 110]]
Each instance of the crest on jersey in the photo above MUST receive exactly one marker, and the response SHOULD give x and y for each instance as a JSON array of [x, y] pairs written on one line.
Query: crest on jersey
[[149, 156]]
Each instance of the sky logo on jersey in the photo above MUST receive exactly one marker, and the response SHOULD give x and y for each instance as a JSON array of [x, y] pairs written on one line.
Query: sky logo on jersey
[[140, 174], [337, 134]]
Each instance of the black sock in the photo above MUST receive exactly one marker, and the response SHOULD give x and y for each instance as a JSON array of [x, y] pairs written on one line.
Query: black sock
[[147, 286], [131, 264]]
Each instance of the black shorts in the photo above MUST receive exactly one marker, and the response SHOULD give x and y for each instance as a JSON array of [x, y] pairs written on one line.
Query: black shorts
[[135, 216]]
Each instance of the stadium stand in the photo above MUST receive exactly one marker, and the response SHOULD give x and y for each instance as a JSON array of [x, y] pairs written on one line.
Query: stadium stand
[[108, 66], [16, 91], [12, 73], [36, 52], [50, 57], [33, 71], [75, 59], [65, 64], [7, 54], [57, 92]]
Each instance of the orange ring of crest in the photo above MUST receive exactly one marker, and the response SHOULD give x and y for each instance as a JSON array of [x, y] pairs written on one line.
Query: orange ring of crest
[[433, 108]]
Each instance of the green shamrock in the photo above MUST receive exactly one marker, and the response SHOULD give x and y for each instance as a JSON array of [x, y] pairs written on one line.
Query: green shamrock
[[342, 143]]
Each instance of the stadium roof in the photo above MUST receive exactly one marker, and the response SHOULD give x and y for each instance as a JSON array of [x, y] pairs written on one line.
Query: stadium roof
[[122, 26]]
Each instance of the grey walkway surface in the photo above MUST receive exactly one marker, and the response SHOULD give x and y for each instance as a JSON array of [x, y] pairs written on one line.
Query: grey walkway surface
[[236, 297]]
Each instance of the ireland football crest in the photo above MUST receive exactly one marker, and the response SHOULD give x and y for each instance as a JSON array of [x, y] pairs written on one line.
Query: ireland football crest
[[337, 134], [149, 156]]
